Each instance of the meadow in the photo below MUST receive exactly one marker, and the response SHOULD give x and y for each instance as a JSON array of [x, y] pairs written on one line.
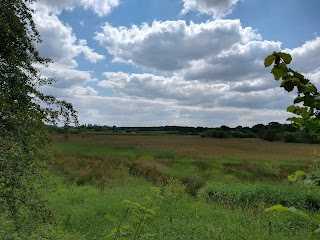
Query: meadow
[[177, 187]]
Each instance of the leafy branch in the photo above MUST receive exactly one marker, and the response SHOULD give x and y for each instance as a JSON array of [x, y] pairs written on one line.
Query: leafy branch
[[307, 103]]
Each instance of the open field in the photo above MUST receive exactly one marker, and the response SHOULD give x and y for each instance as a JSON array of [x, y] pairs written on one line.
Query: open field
[[218, 188], [195, 146]]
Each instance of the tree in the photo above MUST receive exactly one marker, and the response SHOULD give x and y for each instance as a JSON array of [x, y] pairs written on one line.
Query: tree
[[23, 133]]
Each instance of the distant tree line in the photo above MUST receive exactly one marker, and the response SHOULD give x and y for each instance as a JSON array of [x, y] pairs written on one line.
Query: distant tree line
[[272, 131]]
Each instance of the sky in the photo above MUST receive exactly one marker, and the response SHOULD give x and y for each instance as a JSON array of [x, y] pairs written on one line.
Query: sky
[[175, 62]]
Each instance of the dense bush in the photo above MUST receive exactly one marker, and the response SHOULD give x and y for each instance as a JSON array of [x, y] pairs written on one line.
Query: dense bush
[[216, 133], [269, 135], [289, 137]]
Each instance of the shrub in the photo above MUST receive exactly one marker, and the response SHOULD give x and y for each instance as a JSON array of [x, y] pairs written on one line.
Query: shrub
[[269, 135], [289, 137]]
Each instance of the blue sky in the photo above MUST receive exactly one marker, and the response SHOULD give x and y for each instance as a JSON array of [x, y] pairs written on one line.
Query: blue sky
[[175, 62]]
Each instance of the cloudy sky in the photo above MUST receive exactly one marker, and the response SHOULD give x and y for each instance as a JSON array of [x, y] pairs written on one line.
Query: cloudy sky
[[176, 62]]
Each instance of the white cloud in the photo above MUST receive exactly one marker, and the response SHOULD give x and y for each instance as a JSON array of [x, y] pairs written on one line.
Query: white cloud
[[141, 112], [307, 57], [172, 45], [67, 77], [81, 91], [175, 89], [89, 53], [257, 94], [59, 42], [241, 62], [217, 8], [62, 46], [100, 7]]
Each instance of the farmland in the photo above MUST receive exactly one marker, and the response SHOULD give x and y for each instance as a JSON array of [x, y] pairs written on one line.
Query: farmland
[[205, 188]]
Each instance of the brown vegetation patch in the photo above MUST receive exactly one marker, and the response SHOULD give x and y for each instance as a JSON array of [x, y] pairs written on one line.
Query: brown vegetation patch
[[149, 170], [152, 164], [204, 148]]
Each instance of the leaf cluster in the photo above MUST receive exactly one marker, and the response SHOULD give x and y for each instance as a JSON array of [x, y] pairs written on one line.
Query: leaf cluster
[[307, 103]]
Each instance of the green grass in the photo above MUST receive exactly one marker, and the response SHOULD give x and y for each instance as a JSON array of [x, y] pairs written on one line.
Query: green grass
[[84, 209], [89, 212], [225, 196], [261, 195]]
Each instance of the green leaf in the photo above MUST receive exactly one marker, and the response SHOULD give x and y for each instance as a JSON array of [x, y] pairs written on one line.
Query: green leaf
[[269, 60], [293, 109], [298, 99], [308, 100], [296, 121], [279, 71], [280, 208], [286, 57], [288, 85], [309, 88], [296, 176], [277, 208]]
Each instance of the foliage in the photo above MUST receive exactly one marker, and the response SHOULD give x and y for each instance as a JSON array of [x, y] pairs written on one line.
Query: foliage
[[307, 103], [269, 135], [23, 114]]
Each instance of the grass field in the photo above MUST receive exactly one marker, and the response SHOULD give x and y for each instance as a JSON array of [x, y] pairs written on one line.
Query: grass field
[[209, 188]]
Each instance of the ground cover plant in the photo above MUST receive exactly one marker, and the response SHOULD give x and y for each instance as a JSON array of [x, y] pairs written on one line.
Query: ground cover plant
[[218, 193]]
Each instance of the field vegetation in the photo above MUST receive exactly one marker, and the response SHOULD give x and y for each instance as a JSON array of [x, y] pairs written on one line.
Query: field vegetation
[[111, 186], [207, 188]]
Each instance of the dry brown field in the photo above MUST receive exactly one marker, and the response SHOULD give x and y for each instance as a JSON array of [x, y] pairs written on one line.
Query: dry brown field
[[205, 148]]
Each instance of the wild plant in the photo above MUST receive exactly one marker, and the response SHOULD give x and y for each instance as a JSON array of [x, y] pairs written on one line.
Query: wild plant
[[173, 193], [132, 225]]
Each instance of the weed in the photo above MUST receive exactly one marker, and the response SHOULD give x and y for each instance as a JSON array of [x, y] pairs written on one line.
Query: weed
[[136, 217]]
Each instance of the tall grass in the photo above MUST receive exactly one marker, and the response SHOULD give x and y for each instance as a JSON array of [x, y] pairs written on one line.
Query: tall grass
[[89, 212], [236, 180], [261, 195]]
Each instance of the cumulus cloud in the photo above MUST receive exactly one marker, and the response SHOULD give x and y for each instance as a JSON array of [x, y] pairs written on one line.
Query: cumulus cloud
[[59, 42], [257, 94], [217, 8], [214, 64], [172, 45], [122, 111], [67, 77], [306, 58], [88, 52], [150, 86], [258, 84], [62, 46], [101, 8], [241, 62]]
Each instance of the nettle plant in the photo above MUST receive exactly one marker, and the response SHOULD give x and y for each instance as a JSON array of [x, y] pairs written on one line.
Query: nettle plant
[[306, 107]]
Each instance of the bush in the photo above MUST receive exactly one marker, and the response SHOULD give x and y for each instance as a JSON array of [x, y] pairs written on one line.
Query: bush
[[269, 135], [214, 133], [289, 137]]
